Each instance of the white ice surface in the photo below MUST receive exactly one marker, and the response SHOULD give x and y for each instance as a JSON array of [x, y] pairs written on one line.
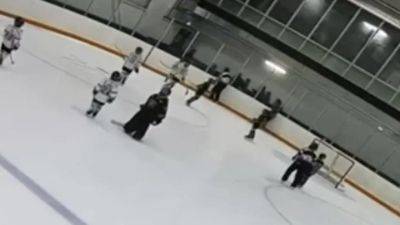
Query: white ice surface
[[193, 169]]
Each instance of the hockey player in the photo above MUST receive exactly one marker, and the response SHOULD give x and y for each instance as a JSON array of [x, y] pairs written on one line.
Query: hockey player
[[178, 73], [132, 63], [302, 164], [151, 113], [317, 165], [201, 89], [264, 118], [11, 38], [222, 82], [104, 92]]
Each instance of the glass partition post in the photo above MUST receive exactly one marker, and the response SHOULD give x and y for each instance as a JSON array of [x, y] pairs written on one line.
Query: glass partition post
[[134, 29], [387, 159], [159, 40], [242, 68], [363, 48], [266, 13], [196, 35], [388, 60], [341, 35], [88, 8], [313, 124], [291, 93], [113, 13], [305, 93], [292, 18], [243, 7], [317, 25], [216, 56]]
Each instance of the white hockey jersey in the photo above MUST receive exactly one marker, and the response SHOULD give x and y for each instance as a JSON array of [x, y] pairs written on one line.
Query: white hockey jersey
[[12, 37], [106, 90], [133, 61], [224, 78], [179, 71]]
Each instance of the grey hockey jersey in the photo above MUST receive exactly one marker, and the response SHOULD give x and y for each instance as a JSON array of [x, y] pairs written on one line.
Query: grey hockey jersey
[[12, 37]]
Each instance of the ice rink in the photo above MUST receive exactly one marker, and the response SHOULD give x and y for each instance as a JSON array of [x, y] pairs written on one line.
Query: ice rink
[[59, 167]]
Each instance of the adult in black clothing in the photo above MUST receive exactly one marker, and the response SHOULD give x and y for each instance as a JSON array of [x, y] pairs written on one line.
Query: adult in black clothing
[[264, 118], [201, 89], [317, 165], [151, 112], [222, 82], [302, 165]]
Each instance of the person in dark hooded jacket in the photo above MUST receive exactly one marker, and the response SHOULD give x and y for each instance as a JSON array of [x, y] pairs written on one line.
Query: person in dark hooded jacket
[[151, 113]]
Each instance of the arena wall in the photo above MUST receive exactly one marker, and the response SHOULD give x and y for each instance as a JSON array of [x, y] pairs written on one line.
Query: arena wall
[[57, 19]]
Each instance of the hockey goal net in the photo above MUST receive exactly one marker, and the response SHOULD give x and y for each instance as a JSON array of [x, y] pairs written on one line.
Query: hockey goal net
[[337, 164]]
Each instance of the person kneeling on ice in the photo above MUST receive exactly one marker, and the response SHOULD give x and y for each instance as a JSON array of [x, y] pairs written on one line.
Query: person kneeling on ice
[[201, 89], [317, 165], [151, 113], [11, 38], [104, 92], [264, 118], [303, 164], [132, 63]]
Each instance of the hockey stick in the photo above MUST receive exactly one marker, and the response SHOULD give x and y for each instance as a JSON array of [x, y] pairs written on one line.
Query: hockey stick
[[12, 58]]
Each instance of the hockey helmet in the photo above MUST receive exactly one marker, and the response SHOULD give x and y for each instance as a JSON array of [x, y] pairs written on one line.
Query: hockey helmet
[[165, 92], [116, 76], [139, 50], [19, 21]]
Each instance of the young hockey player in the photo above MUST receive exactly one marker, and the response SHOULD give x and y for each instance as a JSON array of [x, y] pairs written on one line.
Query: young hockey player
[[132, 63], [302, 164], [104, 92], [222, 82], [264, 118], [201, 89], [151, 113], [317, 165], [11, 38], [178, 73]]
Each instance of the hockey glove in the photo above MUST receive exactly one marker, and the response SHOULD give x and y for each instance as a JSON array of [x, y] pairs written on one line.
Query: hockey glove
[[136, 70], [110, 100], [156, 122], [95, 91]]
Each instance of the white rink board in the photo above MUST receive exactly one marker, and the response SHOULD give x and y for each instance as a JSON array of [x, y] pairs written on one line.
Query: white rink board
[[92, 30]]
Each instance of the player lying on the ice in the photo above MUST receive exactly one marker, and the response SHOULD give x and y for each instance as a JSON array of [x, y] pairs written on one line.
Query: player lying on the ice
[[302, 164], [104, 92], [11, 38], [317, 165], [132, 63], [264, 118], [201, 89], [151, 113]]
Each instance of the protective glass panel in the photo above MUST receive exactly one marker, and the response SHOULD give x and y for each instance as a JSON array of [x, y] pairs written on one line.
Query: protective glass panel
[[207, 49], [357, 35], [392, 166], [251, 16], [309, 15], [334, 23], [391, 74], [358, 77], [284, 9], [381, 90], [382, 45], [232, 6]]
